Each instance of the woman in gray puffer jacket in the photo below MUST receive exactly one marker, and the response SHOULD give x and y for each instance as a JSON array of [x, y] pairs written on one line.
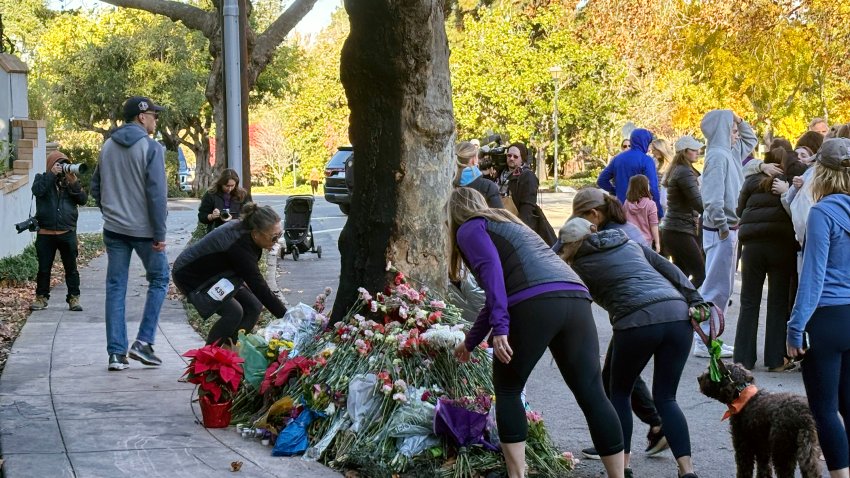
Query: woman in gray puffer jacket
[[648, 300]]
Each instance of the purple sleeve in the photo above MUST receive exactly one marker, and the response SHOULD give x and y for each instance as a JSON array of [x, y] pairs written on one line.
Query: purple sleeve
[[482, 258]]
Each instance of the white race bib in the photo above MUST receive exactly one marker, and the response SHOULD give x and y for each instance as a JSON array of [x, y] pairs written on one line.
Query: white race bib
[[220, 289]]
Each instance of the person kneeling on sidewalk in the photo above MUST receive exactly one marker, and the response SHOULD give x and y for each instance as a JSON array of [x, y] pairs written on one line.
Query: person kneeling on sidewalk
[[231, 252], [57, 195]]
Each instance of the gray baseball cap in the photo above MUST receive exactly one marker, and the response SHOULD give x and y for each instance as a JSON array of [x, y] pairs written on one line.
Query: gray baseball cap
[[835, 154]]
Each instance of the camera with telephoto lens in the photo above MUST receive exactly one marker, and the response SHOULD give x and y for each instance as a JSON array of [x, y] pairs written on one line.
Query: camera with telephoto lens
[[225, 214], [493, 153], [30, 225], [74, 168]]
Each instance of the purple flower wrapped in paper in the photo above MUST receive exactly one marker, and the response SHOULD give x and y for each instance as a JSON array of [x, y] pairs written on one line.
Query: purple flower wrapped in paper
[[466, 427]]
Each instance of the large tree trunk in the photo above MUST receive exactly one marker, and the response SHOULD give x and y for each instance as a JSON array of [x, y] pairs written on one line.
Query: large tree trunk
[[395, 71]]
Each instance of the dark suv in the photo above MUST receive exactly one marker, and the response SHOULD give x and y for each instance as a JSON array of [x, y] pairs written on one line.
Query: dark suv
[[336, 187]]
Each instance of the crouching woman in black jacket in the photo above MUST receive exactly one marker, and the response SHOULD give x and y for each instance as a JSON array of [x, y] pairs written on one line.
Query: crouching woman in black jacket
[[647, 299], [233, 250]]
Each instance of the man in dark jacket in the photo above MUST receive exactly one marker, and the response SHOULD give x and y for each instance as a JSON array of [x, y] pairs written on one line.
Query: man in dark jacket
[[57, 195]]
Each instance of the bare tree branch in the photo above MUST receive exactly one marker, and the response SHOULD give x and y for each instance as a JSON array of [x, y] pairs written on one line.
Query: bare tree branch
[[274, 35], [193, 17]]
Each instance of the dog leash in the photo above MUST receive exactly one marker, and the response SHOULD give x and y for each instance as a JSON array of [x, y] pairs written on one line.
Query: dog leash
[[700, 314]]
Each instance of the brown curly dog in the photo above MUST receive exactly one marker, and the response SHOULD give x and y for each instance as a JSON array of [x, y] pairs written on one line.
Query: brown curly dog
[[767, 428]]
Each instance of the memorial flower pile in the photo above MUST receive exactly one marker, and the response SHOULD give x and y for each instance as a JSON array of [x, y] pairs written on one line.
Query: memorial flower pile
[[382, 391]]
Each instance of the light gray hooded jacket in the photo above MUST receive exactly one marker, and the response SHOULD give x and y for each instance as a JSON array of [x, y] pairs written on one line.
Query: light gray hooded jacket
[[723, 176], [129, 184]]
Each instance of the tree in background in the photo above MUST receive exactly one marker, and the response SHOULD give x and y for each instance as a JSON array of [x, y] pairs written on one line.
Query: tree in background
[[262, 49], [271, 157]]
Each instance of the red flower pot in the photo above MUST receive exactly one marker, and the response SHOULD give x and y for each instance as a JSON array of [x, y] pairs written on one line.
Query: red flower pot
[[216, 415]]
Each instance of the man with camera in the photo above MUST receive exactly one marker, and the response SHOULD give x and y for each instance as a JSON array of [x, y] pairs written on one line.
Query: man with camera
[[129, 185], [57, 194]]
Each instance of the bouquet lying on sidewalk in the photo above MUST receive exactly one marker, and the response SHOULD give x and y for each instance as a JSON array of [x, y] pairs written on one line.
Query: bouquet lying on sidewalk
[[381, 390]]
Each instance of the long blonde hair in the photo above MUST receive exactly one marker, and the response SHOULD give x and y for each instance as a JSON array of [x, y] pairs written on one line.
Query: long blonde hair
[[829, 181], [464, 154], [663, 147], [465, 204]]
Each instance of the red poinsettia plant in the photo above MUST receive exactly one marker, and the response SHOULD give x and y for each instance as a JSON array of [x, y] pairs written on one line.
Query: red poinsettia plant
[[216, 371]]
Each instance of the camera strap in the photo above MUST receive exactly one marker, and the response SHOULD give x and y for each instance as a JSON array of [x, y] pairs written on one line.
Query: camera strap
[[32, 200]]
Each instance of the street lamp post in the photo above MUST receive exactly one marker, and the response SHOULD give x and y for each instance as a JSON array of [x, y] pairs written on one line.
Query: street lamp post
[[556, 77]]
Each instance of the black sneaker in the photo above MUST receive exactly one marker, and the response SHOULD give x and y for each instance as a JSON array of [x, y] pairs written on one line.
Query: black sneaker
[[591, 453], [656, 442], [118, 362], [144, 354], [627, 473]]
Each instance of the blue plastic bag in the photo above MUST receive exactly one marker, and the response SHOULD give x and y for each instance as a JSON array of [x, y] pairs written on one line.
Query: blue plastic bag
[[293, 439]]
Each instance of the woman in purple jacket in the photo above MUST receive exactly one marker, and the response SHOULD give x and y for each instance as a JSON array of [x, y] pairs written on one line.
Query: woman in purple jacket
[[533, 301]]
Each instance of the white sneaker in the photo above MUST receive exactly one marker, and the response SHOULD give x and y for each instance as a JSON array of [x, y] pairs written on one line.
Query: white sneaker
[[700, 350]]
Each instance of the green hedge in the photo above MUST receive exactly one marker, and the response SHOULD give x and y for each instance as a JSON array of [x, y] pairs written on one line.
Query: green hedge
[[20, 268]]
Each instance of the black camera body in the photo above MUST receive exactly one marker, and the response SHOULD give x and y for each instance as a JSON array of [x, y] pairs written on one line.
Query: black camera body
[[493, 153], [30, 225], [225, 214]]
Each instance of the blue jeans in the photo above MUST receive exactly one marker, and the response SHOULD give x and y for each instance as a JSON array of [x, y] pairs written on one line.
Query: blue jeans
[[118, 252]]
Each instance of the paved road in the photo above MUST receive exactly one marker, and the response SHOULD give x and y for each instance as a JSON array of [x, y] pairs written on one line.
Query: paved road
[[547, 393]]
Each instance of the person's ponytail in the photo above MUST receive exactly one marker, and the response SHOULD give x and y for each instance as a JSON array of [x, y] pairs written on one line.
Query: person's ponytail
[[614, 209], [259, 218]]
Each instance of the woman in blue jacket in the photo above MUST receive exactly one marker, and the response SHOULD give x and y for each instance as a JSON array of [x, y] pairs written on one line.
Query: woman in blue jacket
[[822, 307], [533, 302], [648, 301]]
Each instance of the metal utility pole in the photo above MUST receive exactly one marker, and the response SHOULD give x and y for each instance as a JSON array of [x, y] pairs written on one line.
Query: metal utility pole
[[556, 77], [245, 60], [232, 86]]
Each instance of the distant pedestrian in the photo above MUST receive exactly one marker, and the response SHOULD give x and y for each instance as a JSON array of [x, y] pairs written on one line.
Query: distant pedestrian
[[641, 210], [223, 201], [822, 307], [730, 141], [819, 125], [129, 185], [57, 196], [468, 175], [315, 177], [518, 186], [679, 228], [635, 160], [662, 152]]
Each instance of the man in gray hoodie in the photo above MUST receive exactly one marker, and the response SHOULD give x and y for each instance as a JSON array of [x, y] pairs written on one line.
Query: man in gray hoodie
[[730, 140], [129, 185]]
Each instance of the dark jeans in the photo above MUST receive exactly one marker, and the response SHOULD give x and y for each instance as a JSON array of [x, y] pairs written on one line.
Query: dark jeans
[[670, 344], [685, 252], [642, 403], [778, 262], [314, 185], [240, 312], [566, 327], [826, 375], [46, 246]]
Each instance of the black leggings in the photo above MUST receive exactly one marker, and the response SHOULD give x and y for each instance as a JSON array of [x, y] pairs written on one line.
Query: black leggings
[[240, 312], [685, 252], [566, 327], [826, 375], [670, 343], [642, 403]]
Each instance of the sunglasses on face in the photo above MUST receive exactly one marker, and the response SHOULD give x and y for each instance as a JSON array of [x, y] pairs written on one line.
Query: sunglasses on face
[[513, 156], [152, 113], [625, 146]]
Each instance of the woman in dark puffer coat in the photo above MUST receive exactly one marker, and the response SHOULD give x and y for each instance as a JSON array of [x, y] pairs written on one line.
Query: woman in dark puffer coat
[[679, 229], [769, 249]]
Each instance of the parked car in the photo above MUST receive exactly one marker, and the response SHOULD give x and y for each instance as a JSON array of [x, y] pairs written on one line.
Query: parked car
[[185, 174], [337, 188]]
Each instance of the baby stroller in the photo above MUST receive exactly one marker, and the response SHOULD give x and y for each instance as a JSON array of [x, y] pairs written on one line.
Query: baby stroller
[[297, 231]]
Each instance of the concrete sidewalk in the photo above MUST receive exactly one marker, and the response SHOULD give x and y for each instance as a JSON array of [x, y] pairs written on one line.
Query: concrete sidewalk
[[63, 414]]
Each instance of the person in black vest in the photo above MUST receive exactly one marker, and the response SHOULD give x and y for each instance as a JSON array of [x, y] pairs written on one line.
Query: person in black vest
[[234, 250], [533, 302], [770, 250], [648, 301], [223, 201], [468, 175]]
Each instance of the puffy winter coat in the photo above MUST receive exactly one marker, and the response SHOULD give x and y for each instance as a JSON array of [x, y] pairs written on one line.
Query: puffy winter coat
[[624, 277], [762, 216], [684, 202]]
